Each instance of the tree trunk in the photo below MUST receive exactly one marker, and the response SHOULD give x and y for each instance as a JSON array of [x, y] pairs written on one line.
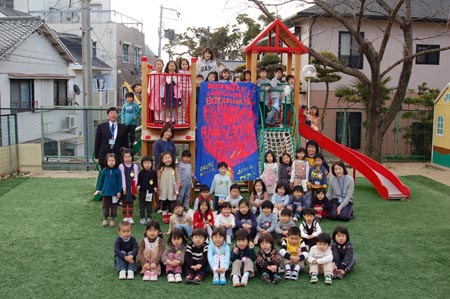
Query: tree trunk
[[325, 106]]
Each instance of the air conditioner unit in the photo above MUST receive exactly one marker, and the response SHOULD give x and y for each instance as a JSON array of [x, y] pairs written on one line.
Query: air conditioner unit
[[70, 122]]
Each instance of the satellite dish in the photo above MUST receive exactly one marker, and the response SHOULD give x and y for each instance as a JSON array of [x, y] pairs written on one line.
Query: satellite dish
[[76, 89]]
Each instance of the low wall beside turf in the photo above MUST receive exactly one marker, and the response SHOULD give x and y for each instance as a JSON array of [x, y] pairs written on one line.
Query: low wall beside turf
[[9, 160]]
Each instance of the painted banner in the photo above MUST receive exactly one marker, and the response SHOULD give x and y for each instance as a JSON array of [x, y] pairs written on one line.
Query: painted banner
[[227, 130]]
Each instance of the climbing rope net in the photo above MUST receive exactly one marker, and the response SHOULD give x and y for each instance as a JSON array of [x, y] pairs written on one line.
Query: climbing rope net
[[278, 140]]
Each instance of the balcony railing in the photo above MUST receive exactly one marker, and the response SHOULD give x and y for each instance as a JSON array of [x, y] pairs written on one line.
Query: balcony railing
[[97, 16]]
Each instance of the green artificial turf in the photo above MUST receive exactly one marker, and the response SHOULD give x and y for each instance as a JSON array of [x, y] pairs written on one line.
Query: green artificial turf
[[53, 246]]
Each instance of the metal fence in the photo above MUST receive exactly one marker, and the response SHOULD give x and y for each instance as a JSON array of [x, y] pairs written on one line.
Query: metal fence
[[9, 152]]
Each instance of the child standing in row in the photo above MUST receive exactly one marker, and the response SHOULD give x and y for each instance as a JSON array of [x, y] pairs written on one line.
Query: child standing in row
[[242, 259], [185, 88], [129, 171], [203, 217], [342, 249], [220, 185], [156, 89], [284, 169], [125, 251], [225, 220], [300, 169], [172, 98], [219, 256], [268, 260], [196, 257], [168, 183], [294, 252], [317, 175], [173, 256], [150, 251], [147, 185], [258, 196], [186, 177], [234, 197], [110, 187], [297, 203], [270, 173], [275, 95], [321, 259], [204, 194]]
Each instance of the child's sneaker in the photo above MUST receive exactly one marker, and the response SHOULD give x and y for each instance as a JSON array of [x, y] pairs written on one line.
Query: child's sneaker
[[314, 278], [105, 222], [229, 240], [276, 279], [153, 276], [111, 223], [130, 274], [216, 280], [337, 275], [236, 282], [223, 280], [142, 221], [178, 278], [328, 279], [130, 219], [189, 279], [146, 276], [170, 277], [287, 275], [265, 277], [197, 280], [244, 281], [294, 275], [148, 220], [122, 274], [294, 219]]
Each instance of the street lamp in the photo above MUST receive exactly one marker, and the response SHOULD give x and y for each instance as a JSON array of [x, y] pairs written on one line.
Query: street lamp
[[309, 71]]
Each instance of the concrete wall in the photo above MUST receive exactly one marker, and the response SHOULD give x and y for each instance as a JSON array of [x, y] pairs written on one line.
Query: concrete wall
[[30, 157], [8, 159]]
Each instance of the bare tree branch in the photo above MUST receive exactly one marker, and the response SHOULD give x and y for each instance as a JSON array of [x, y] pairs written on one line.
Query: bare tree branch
[[263, 9], [387, 32]]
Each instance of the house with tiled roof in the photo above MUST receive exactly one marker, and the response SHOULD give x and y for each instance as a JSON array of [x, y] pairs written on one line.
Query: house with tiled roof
[[316, 29]]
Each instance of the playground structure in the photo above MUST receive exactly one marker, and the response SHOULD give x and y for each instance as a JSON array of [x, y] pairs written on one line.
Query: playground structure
[[276, 38]]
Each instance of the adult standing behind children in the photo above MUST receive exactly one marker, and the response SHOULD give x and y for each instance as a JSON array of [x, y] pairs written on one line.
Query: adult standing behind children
[[164, 144], [110, 137], [340, 192], [206, 64]]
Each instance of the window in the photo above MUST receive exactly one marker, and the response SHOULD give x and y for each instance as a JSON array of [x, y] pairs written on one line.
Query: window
[[7, 4], [447, 97], [349, 54], [94, 49], [60, 93], [430, 58], [348, 129], [21, 95], [137, 57], [440, 126], [125, 52]]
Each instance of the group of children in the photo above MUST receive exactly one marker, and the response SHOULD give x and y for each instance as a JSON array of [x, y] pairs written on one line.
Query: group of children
[[221, 213], [203, 255]]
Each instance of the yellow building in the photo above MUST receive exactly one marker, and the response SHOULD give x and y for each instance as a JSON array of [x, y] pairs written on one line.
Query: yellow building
[[441, 128]]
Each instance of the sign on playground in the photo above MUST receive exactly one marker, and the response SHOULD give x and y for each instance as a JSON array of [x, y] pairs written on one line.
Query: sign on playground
[[227, 130]]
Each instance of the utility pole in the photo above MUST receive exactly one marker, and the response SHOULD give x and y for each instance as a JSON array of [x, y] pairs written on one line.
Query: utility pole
[[160, 29], [86, 50]]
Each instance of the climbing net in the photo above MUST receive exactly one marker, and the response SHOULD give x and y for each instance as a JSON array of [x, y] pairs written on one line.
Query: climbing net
[[278, 140]]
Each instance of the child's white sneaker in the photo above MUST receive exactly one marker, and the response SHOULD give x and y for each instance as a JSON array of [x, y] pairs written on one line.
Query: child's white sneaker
[[153, 276], [146, 276], [178, 278], [229, 240], [122, 274], [130, 274], [170, 277], [236, 282], [142, 221]]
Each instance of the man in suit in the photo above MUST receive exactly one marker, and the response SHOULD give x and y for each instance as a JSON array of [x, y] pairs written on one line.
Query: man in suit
[[111, 137]]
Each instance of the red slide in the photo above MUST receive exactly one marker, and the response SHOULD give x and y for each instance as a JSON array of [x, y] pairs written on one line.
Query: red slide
[[387, 183]]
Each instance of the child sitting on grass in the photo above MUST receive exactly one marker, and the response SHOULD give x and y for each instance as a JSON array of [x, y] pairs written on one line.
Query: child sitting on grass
[[173, 256], [203, 217], [196, 257], [226, 221], [268, 260], [258, 196], [150, 251], [180, 219], [266, 221], [297, 203], [310, 228], [294, 252], [234, 197], [125, 251], [245, 219], [321, 204], [242, 259], [283, 225], [204, 194], [321, 259], [342, 248], [219, 256]]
